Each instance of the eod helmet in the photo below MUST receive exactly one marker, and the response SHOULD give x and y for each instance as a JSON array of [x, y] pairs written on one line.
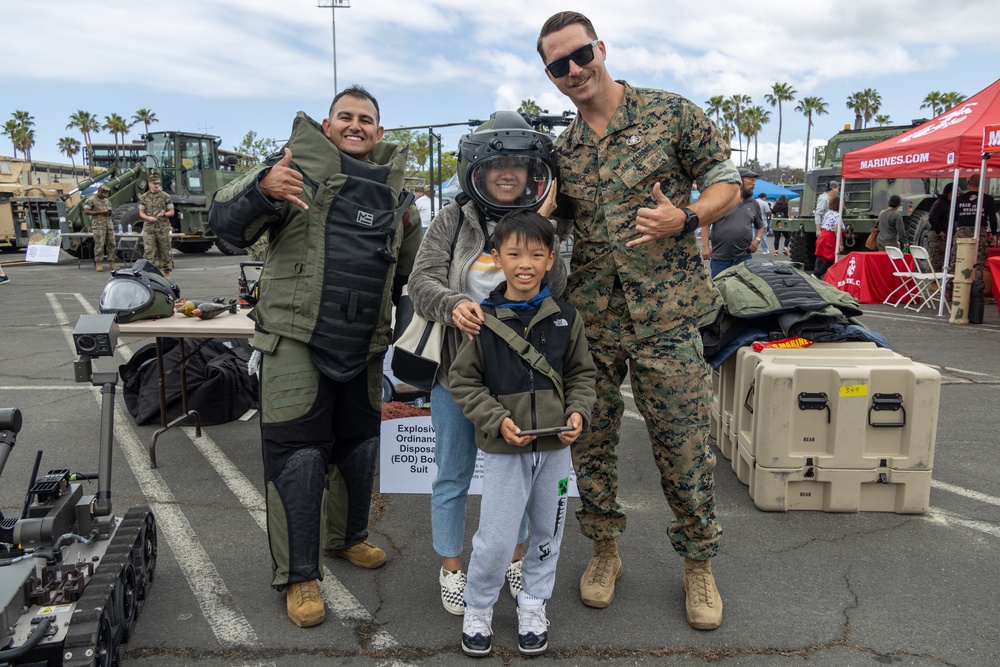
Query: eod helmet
[[504, 165]]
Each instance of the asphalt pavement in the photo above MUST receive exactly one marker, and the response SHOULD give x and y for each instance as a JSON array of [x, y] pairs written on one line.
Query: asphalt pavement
[[799, 588]]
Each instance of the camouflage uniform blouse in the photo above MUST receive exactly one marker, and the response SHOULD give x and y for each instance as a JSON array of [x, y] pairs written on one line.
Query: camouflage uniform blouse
[[95, 203], [152, 203], [603, 181]]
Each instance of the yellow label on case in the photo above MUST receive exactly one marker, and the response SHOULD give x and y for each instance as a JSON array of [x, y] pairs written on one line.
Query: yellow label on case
[[848, 390]]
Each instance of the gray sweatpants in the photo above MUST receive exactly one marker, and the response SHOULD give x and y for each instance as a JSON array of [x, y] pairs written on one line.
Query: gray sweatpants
[[510, 489]]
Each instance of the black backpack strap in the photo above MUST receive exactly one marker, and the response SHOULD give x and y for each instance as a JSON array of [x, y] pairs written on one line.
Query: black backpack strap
[[526, 351]]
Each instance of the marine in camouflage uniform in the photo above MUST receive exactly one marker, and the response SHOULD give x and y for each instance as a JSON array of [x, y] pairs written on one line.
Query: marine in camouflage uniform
[[98, 207], [155, 207], [640, 304]]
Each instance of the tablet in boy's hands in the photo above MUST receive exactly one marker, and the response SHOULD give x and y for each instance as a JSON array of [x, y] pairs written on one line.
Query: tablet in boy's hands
[[555, 430]]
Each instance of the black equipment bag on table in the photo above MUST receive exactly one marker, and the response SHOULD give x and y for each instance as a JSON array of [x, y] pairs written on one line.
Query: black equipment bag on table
[[218, 385]]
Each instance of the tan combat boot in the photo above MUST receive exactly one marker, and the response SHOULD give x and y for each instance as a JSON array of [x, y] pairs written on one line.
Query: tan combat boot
[[597, 585], [113, 266], [363, 554], [100, 267], [704, 604], [305, 606]]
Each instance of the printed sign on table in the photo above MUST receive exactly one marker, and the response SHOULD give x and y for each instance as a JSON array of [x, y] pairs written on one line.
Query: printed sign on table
[[407, 462], [43, 246]]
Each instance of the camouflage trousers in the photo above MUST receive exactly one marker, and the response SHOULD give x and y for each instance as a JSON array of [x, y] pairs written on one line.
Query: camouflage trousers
[[935, 249], [104, 239], [672, 388], [156, 244]]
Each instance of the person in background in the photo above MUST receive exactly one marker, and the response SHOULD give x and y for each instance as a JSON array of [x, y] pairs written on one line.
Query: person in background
[[735, 236], [4, 278], [765, 212], [826, 242], [640, 285], [938, 220], [454, 272], [823, 202], [98, 207], [423, 204], [966, 224], [780, 210], [891, 228], [155, 207], [505, 396]]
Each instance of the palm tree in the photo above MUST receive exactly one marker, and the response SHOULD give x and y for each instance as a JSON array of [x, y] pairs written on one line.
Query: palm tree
[[808, 106], [934, 101], [856, 103], [69, 147], [755, 118], [951, 100], [780, 92], [116, 125], [11, 130], [86, 122], [23, 135], [145, 116], [873, 102], [739, 102], [882, 120], [714, 105]]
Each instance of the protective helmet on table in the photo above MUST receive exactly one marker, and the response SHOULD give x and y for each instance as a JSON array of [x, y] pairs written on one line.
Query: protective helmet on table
[[504, 165], [139, 293]]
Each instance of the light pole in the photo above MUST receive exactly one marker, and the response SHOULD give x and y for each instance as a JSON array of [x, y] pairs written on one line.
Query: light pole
[[333, 6]]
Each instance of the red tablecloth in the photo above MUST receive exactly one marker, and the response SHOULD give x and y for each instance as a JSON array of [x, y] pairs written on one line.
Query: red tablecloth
[[993, 264], [868, 276]]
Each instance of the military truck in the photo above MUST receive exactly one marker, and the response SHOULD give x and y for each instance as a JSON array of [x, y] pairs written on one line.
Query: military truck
[[191, 171], [863, 199], [26, 207]]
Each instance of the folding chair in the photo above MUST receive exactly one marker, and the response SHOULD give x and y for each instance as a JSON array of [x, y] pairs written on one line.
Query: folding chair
[[908, 288], [927, 279]]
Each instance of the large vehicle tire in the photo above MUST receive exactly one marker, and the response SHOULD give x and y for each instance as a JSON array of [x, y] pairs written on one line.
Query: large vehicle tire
[[918, 229], [228, 248], [193, 247], [803, 250], [125, 215]]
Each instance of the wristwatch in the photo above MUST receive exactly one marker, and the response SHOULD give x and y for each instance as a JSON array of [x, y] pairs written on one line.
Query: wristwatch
[[691, 221]]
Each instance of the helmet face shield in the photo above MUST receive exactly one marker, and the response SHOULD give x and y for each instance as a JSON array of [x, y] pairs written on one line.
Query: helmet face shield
[[509, 182], [505, 165], [125, 295]]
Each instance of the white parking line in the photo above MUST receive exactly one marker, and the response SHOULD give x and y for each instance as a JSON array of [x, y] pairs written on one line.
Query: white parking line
[[958, 490], [228, 624]]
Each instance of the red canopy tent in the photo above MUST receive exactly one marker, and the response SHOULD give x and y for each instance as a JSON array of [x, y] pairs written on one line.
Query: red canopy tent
[[935, 149], [963, 141]]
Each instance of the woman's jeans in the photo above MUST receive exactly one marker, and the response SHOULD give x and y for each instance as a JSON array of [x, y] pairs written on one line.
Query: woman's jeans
[[455, 456]]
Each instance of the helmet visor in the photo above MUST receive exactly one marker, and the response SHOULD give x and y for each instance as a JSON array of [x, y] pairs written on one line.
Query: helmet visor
[[125, 295], [511, 181]]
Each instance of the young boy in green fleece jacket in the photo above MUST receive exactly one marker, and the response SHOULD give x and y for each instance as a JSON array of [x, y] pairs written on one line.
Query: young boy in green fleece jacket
[[504, 397]]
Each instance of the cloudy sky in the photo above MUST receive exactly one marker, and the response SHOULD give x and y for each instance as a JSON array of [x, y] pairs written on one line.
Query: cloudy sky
[[224, 67]]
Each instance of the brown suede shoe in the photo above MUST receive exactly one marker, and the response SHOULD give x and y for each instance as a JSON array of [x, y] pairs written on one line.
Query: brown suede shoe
[[704, 604], [305, 606], [363, 554], [597, 585]]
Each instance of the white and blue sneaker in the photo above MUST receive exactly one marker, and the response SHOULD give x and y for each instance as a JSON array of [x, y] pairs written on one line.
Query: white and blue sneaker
[[532, 626], [477, 632]]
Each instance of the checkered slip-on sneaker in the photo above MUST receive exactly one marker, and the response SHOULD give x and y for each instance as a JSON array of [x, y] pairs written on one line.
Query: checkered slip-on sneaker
[[515, 582], [453, 591]]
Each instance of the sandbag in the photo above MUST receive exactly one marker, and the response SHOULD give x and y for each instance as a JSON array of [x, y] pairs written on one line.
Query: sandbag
[[218, 384]]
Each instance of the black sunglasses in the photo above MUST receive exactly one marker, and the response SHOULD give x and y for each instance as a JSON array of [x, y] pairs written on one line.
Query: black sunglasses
[[582, 56]]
